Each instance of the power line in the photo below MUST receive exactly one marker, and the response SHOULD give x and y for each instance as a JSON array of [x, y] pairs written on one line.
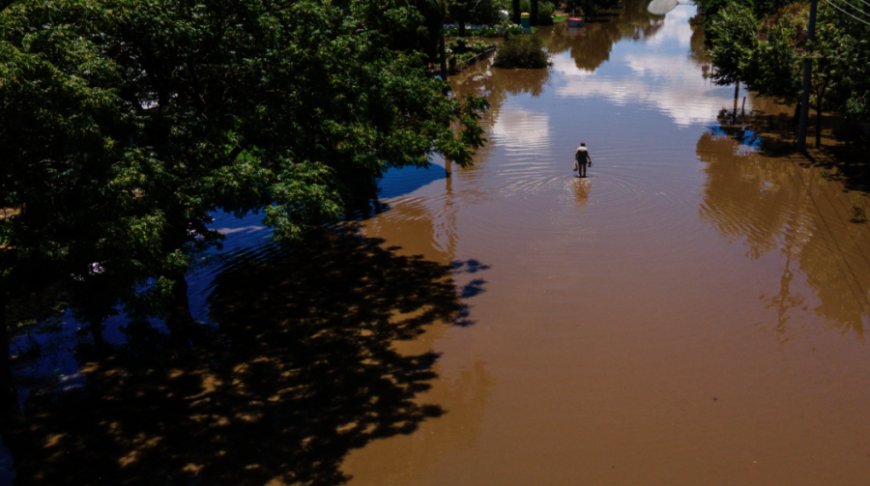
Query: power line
[[865, 2], [831, 3], [853, 6]]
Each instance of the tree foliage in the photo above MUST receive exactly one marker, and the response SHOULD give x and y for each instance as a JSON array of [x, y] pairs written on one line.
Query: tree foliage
[[590, 7], [842, 63], [481, 12], [732, 33], [766, 53], [774, 68], [522, 51], [540, 12], [759, 8], [65, 152], [130, 121]]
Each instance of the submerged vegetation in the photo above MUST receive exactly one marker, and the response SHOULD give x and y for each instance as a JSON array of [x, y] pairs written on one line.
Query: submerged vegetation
[[462, 52], [522, 51]]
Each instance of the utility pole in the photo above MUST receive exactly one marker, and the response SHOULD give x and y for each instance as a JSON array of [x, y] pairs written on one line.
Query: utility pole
[[442, 43], [442, 54], [808, 67]]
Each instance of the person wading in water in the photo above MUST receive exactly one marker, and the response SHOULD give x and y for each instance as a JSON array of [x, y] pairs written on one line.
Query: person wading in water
[[582, 159]]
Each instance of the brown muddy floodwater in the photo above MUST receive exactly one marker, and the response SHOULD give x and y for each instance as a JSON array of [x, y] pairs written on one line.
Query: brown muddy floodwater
[[693, 312]]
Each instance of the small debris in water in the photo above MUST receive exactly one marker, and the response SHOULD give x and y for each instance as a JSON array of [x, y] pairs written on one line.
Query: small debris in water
[[858, 215]]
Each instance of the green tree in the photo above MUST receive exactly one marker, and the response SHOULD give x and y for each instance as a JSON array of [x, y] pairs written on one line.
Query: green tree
[[732, 33], [590, 7], [474, 11], [841, 74], [774, 67], [540, 12], [766, 54], [523, 51], [488, 12], [136, 119], [761, 8], [65, 212], [767, 7]]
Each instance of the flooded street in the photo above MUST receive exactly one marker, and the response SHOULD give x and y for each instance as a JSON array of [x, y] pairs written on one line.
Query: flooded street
[[693, 312]]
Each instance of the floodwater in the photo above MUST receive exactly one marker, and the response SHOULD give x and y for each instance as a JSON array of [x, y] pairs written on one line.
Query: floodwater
[[693, 312]]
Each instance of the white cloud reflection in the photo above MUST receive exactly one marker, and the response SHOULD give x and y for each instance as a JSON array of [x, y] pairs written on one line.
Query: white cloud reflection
[[519, 130], [676, 28], [670, 83]]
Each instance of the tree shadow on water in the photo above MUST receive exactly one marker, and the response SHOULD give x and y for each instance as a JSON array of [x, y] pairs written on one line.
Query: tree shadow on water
[[842, 153], [300, 369]]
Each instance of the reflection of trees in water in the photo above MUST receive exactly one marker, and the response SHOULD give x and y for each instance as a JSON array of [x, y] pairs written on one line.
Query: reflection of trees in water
[[636, 22], [840, 283], [519, 81], [591, 45], [774, 203], [746, 196], [698, 50], [300, 369], [496, 84]]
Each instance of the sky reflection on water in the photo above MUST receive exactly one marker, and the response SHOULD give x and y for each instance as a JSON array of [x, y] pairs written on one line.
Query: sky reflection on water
[[667, 80], [673, 318]]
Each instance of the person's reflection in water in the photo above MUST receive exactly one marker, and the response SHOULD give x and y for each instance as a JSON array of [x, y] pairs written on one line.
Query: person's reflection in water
[[581, 191]]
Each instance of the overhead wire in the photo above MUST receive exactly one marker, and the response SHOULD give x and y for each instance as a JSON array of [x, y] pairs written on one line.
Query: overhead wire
[[854, 7], [857, 8], [831, 3]]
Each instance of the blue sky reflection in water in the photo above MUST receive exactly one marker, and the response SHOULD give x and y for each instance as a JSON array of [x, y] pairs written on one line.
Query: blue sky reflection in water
[[397, 182], [693, 312], [52, 343], [48, 349], [46, 356], [50, 346]]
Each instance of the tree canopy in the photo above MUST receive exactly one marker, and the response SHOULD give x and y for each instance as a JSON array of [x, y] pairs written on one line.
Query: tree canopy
[[127, 122], [733, 36], [763, 42]]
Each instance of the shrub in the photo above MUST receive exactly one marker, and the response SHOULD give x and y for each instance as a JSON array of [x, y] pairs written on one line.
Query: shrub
[[523, 51], [545, 11]]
